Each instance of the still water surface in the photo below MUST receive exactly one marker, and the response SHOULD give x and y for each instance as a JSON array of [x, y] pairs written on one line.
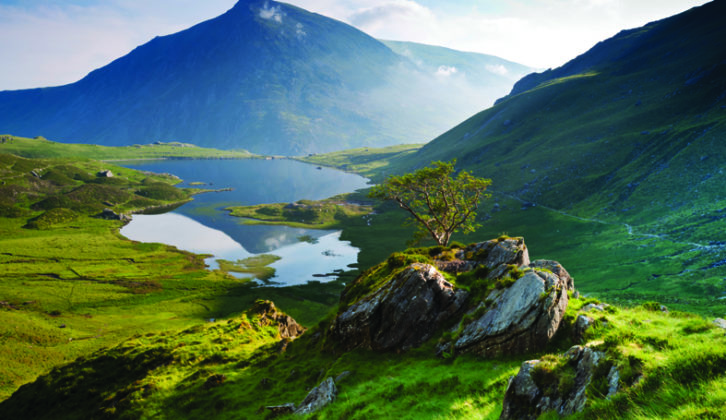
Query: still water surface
[[203, 226]]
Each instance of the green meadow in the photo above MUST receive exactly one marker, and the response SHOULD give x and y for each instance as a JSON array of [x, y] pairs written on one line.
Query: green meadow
[[104, 327], [40, 147]]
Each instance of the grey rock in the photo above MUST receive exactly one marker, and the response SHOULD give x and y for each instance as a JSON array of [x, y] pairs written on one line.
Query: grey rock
[[319, 397], [591, 306], [521, 319], [402, 314], [582, 323], [525, 400], [720, 322], [495, 252], [105, 174], [558, 270], [109, 214], [343, 375], [456, 266], [613, 381]]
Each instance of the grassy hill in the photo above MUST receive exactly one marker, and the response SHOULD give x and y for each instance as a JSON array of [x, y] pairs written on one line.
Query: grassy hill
[[672, 366], [40, 147], [613, 164], [70, 284]]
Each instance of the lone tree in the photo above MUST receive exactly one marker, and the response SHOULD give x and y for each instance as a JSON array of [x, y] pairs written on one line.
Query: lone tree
[[440, 203]]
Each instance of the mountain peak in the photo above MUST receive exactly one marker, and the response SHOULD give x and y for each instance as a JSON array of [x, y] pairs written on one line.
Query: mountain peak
[[264, 76]]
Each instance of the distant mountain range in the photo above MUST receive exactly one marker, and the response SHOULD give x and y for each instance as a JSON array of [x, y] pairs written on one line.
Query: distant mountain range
[[268, 77], [633, 129]]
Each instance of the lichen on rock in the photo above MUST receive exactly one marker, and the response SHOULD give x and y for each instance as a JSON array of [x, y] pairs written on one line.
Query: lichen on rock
[[402, 314], [540, 387]]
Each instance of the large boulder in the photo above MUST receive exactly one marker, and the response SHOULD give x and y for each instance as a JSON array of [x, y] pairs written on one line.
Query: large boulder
[[540, 387], [402, 314], [521, 307], [519, 319]]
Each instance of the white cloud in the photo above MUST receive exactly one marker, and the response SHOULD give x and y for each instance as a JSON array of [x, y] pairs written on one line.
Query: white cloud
[[47, 42], [271, 13], [541, 33], [497, 69], [446, 71], [300, 31]]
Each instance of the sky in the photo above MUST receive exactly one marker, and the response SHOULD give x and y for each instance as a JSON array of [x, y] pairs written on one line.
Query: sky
[[54, 42]]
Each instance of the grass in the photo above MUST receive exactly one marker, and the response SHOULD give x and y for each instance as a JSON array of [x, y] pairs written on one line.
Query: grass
[[41, 148], [256, 265], [367, 161], [70, 284], [330, 213], [671, 366]]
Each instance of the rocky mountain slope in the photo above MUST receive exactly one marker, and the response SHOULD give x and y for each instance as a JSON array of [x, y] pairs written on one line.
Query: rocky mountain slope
[[267, 77]]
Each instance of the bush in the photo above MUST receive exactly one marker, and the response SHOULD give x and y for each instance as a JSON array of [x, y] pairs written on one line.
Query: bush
[[160, 191], [52, 218]]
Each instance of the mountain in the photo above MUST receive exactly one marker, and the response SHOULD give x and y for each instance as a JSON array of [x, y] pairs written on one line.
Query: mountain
[[633, 128], [623, 149], [265, 76], [486, 74]]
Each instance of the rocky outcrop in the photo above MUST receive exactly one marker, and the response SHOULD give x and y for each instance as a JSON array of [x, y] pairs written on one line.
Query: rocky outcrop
[[268, 315], [402, 314], [556, 269], [524, 304], [520, 319], [109, 214], [319, 397], [582, 324], [498, 252], [538, 387], [490, 254]]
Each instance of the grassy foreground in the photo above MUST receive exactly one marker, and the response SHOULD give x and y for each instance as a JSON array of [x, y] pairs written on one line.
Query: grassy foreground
[[673, 365]]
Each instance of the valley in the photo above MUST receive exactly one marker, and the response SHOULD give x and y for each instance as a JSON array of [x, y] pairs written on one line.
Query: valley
[[207, 246]]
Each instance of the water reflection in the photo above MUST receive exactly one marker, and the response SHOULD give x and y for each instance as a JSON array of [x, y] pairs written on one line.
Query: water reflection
[[299, 263], [203, 226], [253, 181]]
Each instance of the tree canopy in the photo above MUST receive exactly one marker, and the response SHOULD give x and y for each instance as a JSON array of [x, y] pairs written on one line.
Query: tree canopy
[[439, 202]]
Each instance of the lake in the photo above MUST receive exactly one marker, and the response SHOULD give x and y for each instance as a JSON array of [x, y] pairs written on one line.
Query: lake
[[203, 226]]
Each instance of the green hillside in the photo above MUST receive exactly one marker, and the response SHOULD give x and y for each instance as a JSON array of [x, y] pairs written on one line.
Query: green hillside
[[40, 147], [671, 364], [70, 284], [625, 139]]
